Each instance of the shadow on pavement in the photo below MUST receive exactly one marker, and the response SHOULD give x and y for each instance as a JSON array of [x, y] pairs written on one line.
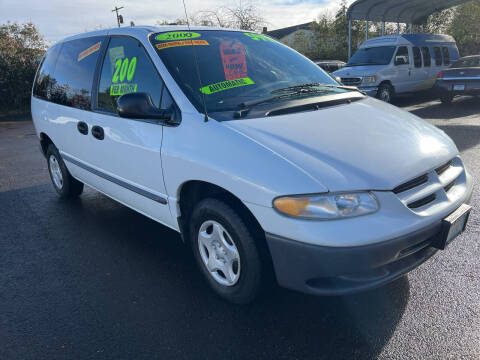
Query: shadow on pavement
[[106, 280], [464, 136], [459, 108]]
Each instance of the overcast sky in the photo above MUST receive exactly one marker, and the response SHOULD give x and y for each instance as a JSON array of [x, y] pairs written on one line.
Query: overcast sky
[[59, 18]]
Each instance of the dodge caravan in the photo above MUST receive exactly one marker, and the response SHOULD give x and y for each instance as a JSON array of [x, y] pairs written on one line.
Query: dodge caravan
[[388, 65], [266, 166]]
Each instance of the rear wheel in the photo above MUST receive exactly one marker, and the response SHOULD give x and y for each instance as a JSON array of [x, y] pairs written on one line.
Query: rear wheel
[[385, 92], [64, 184], [225, 251], [447, 98]]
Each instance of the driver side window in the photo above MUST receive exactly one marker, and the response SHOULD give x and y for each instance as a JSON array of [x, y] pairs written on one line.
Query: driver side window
[[127, 68], [402, 58]]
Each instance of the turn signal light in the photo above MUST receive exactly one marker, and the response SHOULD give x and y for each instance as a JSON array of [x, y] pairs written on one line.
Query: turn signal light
[[440, 75]]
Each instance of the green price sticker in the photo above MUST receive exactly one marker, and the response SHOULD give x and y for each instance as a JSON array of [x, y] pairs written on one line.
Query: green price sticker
[[124, 68], [121, 89], [226, 85], [258, 37], [177, 35]]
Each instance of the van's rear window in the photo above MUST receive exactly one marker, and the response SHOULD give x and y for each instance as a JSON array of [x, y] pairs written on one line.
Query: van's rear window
[[234, 67]]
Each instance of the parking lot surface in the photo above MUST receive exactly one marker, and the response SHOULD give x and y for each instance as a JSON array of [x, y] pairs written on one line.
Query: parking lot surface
[[92, 279]]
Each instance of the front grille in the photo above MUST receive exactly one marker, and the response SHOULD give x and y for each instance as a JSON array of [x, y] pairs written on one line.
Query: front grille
[[422, 202], [449, 186], [440, 170], [356, 81], [411, 184], [434, 187]]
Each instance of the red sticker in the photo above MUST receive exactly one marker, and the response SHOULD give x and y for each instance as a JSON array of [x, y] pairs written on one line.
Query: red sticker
[[234, 60]]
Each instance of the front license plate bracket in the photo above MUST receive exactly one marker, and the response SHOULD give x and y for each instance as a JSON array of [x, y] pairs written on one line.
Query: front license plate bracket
[[452, 226]]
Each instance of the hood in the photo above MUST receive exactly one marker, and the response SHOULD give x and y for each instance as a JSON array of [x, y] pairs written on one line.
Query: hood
[[366, 145], [354, 71]]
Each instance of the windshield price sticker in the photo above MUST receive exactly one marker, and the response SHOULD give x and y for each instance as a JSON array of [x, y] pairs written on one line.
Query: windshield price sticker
[[226, 85], [234, 60], [181, 43], [124, 70], [89, 51], [258, 37], [177, 35]]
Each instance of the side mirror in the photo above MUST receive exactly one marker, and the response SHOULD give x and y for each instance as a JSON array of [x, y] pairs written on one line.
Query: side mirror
[[400, 60], [140, 106]]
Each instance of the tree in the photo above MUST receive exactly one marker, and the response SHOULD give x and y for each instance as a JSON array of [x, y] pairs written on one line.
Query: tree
[[21, 47], [176, 22], [464, 28], [438, 22], [242, 15]]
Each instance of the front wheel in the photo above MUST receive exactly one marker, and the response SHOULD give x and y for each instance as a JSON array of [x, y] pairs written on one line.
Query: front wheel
[[225, 251], [64, 184], [385, 93]]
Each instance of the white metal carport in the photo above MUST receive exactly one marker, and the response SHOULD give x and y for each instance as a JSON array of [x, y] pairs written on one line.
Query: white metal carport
[[410, 12]]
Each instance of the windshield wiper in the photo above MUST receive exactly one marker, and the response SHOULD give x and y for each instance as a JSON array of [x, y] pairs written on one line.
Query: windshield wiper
[[310, 85], [246, 106]]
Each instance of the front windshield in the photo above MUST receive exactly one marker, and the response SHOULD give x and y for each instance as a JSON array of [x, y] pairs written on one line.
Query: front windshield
[[381, 55], [235, 67]]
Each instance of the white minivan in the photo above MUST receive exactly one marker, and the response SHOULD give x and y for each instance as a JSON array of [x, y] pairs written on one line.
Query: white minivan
[[397, 64], [267, 167]]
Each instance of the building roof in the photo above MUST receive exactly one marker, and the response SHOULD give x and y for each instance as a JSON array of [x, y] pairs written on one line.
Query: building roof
[[281, 33], [402, 11]]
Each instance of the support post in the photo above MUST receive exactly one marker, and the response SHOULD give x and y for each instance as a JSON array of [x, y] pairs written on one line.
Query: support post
[[411, 28], [366, 30], [383, 28], [349, 38], [398, 28]]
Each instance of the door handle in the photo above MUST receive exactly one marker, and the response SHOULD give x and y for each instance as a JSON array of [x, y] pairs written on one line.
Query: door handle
[[98, 132], [82, 128]]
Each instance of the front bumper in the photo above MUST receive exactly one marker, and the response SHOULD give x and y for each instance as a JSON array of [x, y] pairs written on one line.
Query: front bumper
[[322, 270], [370, 91], [340, 270]]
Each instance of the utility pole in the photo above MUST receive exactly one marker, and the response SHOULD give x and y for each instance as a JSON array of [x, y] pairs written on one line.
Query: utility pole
[[119, 17]]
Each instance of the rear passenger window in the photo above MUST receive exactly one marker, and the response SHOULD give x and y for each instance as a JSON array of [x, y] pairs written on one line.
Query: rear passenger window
[[74, 71], [446, 55], [402, 57], [417, 57], [43, 82], [427, 58], [438, 56], [127, 68]]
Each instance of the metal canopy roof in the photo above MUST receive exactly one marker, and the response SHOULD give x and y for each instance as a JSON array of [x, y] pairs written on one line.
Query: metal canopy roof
[[398, 11]]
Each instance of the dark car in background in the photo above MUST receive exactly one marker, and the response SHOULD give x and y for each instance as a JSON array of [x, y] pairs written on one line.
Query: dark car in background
[[462, 78], [330, 65]]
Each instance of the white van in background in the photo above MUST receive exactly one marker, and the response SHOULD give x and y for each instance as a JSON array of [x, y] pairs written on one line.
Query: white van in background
[[395, 64]]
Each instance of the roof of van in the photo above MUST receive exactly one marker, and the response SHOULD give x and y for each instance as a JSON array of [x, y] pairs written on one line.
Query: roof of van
[[408, 39], [143, 30]]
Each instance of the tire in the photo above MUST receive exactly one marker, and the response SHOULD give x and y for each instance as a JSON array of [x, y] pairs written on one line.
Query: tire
[[64, 184], [447, 98], [385, 92], [217, 244]]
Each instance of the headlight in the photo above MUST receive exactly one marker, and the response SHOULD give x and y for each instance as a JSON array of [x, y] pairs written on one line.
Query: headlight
[[370, 79], [327, 206]]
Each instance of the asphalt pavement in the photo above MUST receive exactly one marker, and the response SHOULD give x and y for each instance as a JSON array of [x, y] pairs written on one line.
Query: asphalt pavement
[[92, 279]]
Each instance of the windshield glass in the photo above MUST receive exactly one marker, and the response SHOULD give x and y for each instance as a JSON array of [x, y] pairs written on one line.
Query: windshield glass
[[381, 55], [235, 67]]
